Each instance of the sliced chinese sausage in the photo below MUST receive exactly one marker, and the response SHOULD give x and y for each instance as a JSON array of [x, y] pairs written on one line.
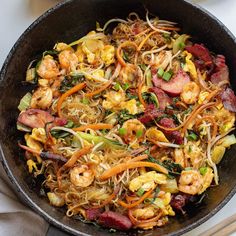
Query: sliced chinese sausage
[[229, 99], [201, 52], [114, 220], [175, 86], [35, 118]]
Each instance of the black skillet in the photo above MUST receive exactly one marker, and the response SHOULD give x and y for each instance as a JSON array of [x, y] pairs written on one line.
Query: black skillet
[[67, 22]]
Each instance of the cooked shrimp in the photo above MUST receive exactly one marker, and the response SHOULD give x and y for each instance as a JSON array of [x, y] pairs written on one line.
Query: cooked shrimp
[[190, 182], [190, 93], [48, 68], [193, 152], [179, 156], [42, 98], [135, 130], [81, 176], [68, 60], [207, 179]]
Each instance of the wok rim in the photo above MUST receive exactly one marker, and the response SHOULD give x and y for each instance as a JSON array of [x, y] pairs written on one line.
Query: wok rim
[[26, 198]]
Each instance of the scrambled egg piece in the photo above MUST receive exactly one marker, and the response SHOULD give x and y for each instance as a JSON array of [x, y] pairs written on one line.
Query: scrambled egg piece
[[80, 54], [153, 134], [132, 107], [55, 199], [108, 54], [31, 165], [89, 54], [147, 181], [163, 203], [39, 134], [32, 143], [189, 66], [113, 99], [202, 96]]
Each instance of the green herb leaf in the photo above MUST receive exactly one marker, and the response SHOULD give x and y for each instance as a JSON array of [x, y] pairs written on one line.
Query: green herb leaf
[[125, 86], [59, 134], [125, 56], [150, 98], [192, 136], [70, 81], [173, 168], [124, 115], [50, 52]]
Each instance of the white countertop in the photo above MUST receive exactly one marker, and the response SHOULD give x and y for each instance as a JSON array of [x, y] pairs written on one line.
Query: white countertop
[[17, 15]]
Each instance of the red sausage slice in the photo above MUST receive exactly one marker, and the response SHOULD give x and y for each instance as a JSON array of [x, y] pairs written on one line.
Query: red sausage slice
[[114, 220], [175, 86], [35, 118]]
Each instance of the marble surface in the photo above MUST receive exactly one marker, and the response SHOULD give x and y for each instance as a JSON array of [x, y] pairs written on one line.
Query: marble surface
[[17, 15]]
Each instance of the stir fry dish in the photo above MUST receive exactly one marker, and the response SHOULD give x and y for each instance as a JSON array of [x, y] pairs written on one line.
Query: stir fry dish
[[127, 124]]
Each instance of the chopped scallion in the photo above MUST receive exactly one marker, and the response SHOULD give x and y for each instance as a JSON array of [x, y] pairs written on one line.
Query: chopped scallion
[[167, 76], [203, 170], [25, 102], [140, 192], [139, 133], [160, 72], [122, 131]]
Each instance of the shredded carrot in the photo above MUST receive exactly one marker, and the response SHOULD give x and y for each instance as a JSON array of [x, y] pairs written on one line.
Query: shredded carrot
[[118, 51], [212, 94], [71, 91], [130, 165], [213, 122], [131, 205], [94, 127], [145, 40], [181, 105], [76, 155], [194, 114], [140, 94], [102, 88], [169, 28], [139, 158], [135, 221]]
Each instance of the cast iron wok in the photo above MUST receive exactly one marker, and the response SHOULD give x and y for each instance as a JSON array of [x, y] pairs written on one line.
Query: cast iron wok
[[67, 22]]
